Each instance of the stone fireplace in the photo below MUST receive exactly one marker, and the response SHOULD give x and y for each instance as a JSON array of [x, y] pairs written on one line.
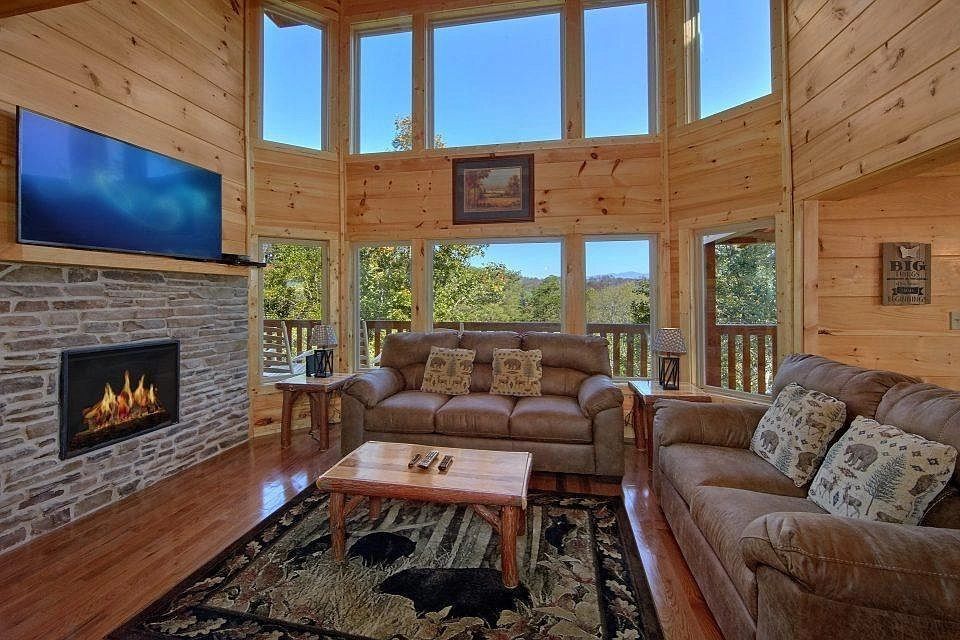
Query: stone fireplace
[[51, 316], [110, 394]]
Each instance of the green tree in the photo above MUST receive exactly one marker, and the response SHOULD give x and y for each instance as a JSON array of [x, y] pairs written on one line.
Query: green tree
[[293, 282], [746, 283], [464, 292], [544, 302], [403, 135], [385, 283]]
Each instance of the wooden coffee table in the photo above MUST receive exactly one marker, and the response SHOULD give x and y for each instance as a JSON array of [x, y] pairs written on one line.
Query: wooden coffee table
[[485, 480]]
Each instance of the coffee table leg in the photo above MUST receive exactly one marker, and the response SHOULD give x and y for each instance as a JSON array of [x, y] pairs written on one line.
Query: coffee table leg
[[338, 531], [374, 507], [509, 523]]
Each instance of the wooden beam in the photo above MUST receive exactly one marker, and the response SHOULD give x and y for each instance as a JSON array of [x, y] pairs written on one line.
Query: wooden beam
[[418, 124], [574, 282], [18, 7], [573, 65]]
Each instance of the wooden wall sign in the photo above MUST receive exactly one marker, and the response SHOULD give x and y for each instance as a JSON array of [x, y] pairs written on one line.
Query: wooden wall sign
[[906, 273]]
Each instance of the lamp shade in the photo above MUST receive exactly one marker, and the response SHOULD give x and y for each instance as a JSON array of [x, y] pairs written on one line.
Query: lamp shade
[[669, 340], [324, 335]]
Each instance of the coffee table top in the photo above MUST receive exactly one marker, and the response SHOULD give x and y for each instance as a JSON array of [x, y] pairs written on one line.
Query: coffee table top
[[475, 477]]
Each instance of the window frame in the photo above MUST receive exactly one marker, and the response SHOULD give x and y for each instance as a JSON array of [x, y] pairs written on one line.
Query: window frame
[[654, 240], [440, 21], [653, 66], [355, 248], [699, 341], [692, 61], [365, 30], [326, 80], [431, 248], [325, 279]]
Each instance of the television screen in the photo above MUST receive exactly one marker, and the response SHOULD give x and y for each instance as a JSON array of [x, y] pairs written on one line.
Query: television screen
[[84, 190]]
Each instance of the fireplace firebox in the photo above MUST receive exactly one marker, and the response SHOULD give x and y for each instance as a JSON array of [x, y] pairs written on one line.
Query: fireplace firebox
[[109, 394]]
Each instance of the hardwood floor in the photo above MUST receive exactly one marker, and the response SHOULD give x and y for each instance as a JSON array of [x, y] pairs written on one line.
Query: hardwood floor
[[85, 579]]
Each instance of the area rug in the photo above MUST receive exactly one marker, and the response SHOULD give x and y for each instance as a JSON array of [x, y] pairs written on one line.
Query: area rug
[[416, 572]]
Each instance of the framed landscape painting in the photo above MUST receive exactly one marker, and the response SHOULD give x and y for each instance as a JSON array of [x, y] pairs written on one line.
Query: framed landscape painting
[[493, 189]]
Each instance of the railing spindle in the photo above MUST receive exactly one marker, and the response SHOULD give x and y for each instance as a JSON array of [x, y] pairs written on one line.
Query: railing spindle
[[747, 364]]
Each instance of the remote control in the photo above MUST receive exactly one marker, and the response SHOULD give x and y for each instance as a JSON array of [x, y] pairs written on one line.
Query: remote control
[[413, 461], [445, 464], [428, 460]]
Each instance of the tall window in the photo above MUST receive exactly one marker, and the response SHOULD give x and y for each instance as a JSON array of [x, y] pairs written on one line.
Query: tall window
[[384, 91], [293, 80], [294, 300], [733, 53], [497, 80], [385, 301], [618, 73], [739, 300], [491, 285], [620, 300]]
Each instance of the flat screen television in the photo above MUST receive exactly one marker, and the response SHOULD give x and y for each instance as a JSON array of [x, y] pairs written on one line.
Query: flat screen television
[[84, 190]]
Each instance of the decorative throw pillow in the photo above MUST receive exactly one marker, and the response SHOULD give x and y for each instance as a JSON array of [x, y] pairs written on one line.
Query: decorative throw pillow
[[878, 472], [794, 433], [516, 372], [448, 371]]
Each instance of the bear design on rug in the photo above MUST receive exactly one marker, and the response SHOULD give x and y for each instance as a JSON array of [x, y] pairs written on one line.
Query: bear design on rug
[[381, 547], [476, 593], [558, 530]]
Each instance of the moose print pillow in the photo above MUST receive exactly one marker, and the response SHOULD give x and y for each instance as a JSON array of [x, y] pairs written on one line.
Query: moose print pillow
[[448, 371], [878, 472], [794, 433], [516, 372]]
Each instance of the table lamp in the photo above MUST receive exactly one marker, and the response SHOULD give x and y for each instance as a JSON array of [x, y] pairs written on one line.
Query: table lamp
[[325, 337], [669, 343]]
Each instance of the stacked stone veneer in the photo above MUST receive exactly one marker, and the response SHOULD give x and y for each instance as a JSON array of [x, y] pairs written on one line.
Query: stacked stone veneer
[[46, 309]]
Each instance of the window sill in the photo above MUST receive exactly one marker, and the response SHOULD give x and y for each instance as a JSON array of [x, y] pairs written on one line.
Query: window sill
[[505, 147]]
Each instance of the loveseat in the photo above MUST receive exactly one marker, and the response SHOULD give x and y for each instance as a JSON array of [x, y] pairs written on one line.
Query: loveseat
[[575, 426], [772, 564]]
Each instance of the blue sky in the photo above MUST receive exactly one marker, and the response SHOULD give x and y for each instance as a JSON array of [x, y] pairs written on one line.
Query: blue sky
[[541, 259], [499, 81]]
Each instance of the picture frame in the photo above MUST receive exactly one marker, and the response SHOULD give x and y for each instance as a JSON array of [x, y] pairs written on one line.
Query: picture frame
[[906, 277], [493, 189]]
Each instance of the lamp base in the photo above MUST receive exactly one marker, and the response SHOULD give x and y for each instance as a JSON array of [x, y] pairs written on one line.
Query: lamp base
[[324, 363], [670, 373]]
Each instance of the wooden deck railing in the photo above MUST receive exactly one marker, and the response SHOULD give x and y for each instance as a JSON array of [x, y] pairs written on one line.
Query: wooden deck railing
[[742, 357]]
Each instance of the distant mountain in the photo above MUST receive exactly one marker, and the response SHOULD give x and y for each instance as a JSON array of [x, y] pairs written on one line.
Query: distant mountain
[[624, 275]]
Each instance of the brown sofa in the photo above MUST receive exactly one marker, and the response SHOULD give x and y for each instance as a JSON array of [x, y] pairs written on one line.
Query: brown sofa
[[576, 426], [772, 564]]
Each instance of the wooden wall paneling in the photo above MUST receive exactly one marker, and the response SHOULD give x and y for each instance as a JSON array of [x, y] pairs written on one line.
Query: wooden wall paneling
[[811, 275], [17, 7], [111, 71]]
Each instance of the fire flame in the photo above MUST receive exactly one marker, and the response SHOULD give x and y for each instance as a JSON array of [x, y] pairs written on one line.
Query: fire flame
[[117, 408]]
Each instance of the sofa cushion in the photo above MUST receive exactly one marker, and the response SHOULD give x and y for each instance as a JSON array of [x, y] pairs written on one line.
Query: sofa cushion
[[878, 472], [589, 354], [860, 389], [484, 342], [794, 433], [689, 466], [405, 412], [407, 348], [722, 514], [550, 419], [479, 415], [448, 371], [562, 381]]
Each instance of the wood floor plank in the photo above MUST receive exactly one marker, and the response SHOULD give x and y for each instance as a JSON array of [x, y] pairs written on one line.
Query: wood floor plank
[[85, 579]]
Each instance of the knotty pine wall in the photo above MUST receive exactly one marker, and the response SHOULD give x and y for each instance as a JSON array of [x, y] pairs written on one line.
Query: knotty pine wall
[[872, 85], [842, 299], [167, 75]]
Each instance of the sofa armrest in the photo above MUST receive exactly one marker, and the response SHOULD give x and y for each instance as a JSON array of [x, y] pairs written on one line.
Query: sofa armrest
[[598, 393], [374, 386], [721, 425], [902, 568]]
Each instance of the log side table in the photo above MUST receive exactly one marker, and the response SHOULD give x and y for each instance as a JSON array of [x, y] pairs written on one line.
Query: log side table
[[645, 394], [318, 391]]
